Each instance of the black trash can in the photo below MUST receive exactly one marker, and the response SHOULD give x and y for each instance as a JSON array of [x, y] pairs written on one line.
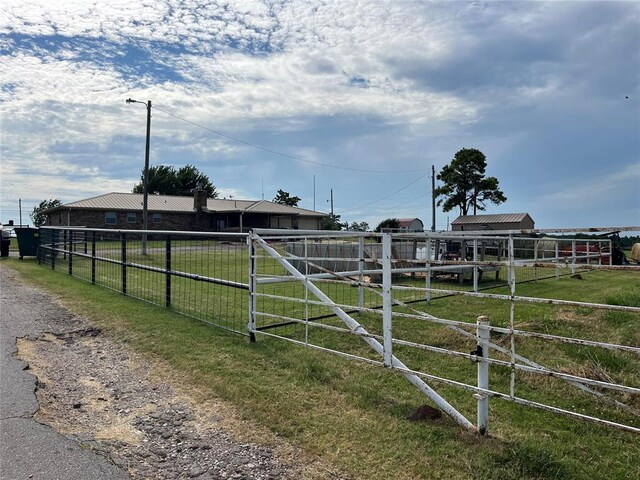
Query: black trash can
[[28, 241], [5, 244]]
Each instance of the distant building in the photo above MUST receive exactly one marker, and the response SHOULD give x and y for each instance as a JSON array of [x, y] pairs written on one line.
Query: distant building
[[410, 225], [197, 213], [502, 221]]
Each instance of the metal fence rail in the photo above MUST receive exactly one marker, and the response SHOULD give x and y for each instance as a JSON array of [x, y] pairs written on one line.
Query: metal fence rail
[[321, 290], [202, 275], [374, 298]]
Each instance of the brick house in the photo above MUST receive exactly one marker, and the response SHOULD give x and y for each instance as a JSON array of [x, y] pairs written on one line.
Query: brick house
[[197, 213]]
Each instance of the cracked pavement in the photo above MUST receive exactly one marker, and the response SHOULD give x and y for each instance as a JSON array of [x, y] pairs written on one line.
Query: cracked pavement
[[29, 449]]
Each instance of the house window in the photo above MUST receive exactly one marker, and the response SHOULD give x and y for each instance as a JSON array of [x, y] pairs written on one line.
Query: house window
[[157, 217], [110, 218], [131, 217]]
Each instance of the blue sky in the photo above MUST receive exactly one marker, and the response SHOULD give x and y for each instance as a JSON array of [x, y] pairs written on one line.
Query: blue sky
[[366, 95]]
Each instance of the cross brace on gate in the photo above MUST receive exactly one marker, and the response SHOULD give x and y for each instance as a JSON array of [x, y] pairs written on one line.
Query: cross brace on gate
[[355, 326]]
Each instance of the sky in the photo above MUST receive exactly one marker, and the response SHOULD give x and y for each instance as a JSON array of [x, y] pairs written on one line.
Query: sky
[[356, 97]]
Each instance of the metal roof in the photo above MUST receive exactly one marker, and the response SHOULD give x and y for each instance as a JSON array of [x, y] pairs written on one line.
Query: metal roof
[[405, 222], [497, 218], [170, 203]]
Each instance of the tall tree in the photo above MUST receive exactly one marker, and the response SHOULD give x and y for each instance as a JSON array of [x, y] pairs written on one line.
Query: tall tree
[[165, 180], [285, 198], [162, 180], [358, 227], [38, 216], [332, 222], [189, 178], [465, 185], [388, 223]]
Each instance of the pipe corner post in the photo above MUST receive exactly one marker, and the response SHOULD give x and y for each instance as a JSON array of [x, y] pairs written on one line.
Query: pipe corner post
[[482, 355], [387, 313]]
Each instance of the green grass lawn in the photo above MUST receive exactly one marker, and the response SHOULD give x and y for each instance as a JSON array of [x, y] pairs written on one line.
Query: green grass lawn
[[353, 415]]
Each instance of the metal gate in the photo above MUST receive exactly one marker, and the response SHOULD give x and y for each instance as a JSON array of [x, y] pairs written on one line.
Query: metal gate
[[371, 298], [338, 291]]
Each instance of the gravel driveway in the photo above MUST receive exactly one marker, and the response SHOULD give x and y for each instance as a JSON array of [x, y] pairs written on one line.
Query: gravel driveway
[[105, 398]]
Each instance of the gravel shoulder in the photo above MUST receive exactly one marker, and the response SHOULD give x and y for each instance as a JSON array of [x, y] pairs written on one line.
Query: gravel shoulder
[[136, 414]]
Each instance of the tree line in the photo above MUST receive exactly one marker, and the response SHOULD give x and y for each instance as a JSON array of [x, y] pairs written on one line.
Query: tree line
[[464, 186]]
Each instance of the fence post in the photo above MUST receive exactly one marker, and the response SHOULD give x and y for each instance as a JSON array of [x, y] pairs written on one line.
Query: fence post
[[361, 270], [475, 264], [70, 252], [512, 259], [167, 282], [428, 272], [54, 248], [512, 317], [306, 290], [123, 261], [557, 261], [599, 252], [387, 313], [536, 244], [573, 257], [251, 325], [482, 354], [93, 257]]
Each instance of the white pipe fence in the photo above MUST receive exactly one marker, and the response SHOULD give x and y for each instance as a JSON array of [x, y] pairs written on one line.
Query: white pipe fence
[[317, 274], [310, 288]]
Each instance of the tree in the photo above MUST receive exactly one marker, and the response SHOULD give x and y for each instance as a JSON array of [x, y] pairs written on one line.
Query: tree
[[189, 178], [388, 223], [285, 198], [38, 216], [358, 227], [465, 185], [162, 179], [332, 222], [165, 180]]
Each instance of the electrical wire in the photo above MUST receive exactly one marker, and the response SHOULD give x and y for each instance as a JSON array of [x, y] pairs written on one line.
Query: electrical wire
[[282, 154], [384, 198], [405, 203]]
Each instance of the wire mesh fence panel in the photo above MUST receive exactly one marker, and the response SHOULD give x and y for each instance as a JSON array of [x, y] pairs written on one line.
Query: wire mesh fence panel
[[200, 275], [409, 302]]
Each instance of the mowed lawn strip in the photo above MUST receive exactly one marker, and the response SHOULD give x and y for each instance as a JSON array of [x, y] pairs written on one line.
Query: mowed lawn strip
[[354, 415]]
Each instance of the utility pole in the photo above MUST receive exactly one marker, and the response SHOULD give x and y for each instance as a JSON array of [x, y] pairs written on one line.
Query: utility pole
[[332, 218], [314, 193], [145, 188], [20, 210], [433, 198], [145, 179]]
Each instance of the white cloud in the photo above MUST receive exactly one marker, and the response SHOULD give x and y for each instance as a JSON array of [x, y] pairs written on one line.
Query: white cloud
[[425, 77], [615, 187]]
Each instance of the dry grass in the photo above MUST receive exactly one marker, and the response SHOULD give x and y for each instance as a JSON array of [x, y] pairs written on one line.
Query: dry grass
[[354, 416]]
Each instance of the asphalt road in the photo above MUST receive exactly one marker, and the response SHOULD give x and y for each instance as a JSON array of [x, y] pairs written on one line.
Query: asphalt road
[[28, 449]]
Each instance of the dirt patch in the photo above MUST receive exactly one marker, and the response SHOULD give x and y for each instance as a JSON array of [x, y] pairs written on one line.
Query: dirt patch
[[117, 404]]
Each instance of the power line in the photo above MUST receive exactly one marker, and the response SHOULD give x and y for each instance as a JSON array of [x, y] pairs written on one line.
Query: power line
[[390, 195], [405, 203], [282, 154]]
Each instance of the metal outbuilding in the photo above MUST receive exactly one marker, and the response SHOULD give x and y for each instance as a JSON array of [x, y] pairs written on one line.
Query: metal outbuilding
[[502, 221], [410, 225]]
